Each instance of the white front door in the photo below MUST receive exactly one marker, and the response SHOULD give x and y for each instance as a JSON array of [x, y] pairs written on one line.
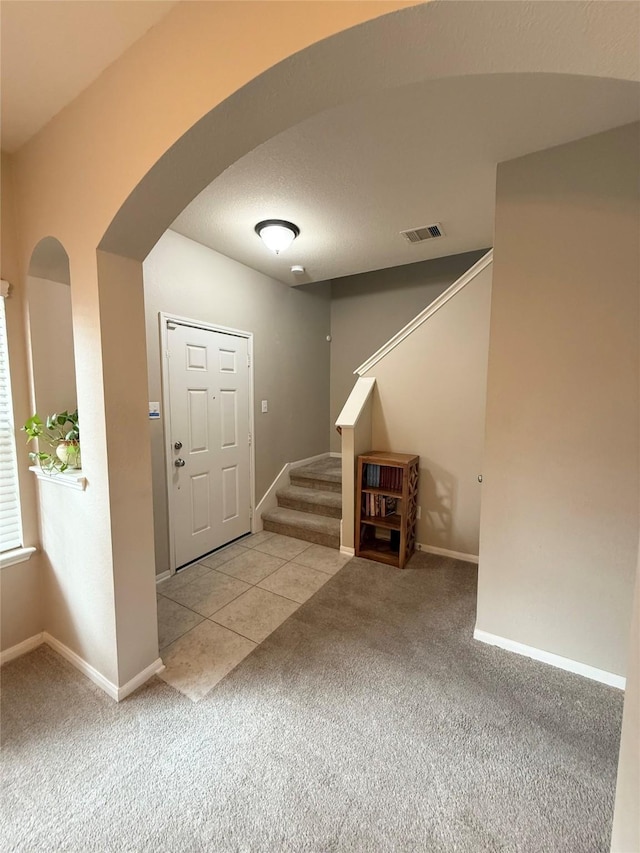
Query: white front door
[[209, 439]]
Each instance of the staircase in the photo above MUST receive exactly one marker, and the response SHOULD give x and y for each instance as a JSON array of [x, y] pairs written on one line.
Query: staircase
[[310, 508]]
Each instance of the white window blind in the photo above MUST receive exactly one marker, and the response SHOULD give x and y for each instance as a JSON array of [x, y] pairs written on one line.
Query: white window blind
[[10, 521]]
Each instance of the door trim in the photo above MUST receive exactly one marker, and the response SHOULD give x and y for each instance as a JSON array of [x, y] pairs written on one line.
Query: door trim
[[163, 319]]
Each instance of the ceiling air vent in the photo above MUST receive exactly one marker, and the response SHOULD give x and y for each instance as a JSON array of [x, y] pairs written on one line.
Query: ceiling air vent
[[425, 232]]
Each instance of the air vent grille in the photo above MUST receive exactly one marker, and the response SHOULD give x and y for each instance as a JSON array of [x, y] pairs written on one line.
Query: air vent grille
[[425, 232]]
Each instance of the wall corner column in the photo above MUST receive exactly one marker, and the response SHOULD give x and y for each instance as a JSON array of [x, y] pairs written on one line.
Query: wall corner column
[[124, 359]]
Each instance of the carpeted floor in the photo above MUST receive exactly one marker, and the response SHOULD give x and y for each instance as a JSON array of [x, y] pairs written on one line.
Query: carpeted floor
[[369, 721]]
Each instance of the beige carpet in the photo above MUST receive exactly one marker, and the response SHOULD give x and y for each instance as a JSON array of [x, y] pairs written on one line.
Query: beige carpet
[[369, 721]]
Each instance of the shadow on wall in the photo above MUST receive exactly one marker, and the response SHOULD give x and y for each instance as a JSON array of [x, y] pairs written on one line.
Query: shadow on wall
[[437, 497], [437, 488]]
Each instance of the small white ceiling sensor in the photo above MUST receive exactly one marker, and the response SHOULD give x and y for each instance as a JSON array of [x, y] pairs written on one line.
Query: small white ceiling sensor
[[297, 269]]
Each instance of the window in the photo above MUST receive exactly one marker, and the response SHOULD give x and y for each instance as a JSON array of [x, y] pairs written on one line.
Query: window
[[10, 521]]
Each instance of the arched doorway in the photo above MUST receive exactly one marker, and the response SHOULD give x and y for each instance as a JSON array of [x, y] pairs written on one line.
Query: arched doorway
[[250, 116]]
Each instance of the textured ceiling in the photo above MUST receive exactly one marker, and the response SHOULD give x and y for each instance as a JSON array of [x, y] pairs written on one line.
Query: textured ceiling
[[52, 50], [353, 177]]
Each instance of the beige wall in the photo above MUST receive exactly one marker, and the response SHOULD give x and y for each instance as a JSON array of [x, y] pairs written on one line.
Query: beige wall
[[21, 614], [559, 531], [51, 334], [67, 557], [291, 354], [429, 400], [368, 309]]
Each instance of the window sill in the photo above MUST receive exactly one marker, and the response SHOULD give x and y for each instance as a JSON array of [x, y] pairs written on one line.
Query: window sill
[[72, 478], [17, 555]]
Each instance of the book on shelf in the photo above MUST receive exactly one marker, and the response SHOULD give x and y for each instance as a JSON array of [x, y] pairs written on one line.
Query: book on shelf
[[383, 477], [379, 506]]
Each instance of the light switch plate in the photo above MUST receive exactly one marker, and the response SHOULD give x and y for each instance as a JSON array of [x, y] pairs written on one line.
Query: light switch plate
[[265, 406], [154, 411]]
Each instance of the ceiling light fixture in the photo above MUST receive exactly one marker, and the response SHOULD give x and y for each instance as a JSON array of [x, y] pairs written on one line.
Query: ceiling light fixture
[[277, 234]]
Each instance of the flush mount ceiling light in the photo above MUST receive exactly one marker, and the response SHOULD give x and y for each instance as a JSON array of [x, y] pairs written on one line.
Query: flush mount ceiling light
[[277, 234]]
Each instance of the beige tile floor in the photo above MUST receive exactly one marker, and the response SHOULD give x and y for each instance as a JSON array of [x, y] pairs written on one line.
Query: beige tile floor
[[213, 614]]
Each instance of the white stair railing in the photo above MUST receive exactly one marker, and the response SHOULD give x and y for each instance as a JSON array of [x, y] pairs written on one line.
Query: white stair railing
[[438, 303], [354, 425]]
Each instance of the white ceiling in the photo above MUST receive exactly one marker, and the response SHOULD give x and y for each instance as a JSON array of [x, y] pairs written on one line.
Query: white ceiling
[[52, 50], [353, 177]]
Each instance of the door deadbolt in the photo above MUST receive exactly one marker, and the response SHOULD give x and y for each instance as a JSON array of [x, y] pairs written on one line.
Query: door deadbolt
[[178, 445], [179, 463]]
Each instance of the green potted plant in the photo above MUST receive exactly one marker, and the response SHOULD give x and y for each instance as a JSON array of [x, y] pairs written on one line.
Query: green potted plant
[[61, 432]]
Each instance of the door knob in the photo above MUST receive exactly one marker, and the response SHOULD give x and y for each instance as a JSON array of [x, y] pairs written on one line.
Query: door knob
[[179, 463], [178, 445]]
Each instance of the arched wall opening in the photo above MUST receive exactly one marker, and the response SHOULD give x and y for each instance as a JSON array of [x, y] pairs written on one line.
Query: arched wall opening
[[333, 72], [417, 46], [119, 237], [63, 504], [51, 329]]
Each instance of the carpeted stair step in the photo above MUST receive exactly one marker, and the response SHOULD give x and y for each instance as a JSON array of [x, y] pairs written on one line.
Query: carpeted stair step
[[325, 474], [303, 525], [311, 500]]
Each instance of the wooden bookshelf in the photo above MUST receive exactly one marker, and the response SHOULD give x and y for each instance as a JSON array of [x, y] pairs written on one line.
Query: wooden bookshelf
[[386, 502]]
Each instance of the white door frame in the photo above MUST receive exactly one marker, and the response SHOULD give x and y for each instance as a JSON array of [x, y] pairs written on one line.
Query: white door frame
[[163, 319]]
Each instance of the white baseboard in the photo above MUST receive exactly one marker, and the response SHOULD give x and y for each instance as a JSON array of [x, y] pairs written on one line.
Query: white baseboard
[[429, 549], [138, 680], [117, 693], [85, 668], [335, 455], [445, 552], [163, 576], [553, 660], [269, 500], [21, 648]]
